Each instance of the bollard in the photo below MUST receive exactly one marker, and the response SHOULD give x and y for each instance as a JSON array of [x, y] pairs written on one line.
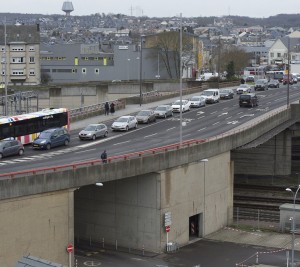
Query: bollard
[[116, 244], [143, 250], [256, 257]]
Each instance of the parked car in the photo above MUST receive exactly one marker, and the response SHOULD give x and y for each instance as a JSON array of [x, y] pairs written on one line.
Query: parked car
[[197, 101], [273, 83], [261, 84], [185, 105], [211, 95], [243, 88], [52, 138], [226, 94], [146, 116], [250, 79], [124, 123], [163, 111], [11, 148], [93, 131], [249, 99]]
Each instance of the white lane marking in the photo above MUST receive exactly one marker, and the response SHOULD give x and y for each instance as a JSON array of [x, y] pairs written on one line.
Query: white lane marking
[[82, 151], [213, 112], [202, 129], [170, 129], [121, 143], [150, 135], [228, 118], [91, 143], [247, 115], [222, 114], [216, 123], [201, 117], [232, 122], [240, 113]]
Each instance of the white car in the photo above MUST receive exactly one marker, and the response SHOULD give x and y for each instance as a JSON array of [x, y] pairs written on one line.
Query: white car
[[243, 89], [124, 123], [197, 101], [185, 105]]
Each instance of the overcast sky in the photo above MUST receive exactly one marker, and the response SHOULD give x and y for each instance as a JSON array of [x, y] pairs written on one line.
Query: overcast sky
[[158, 8]]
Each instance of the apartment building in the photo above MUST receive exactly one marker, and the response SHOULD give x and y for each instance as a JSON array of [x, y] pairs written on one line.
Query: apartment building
[[20, 54]]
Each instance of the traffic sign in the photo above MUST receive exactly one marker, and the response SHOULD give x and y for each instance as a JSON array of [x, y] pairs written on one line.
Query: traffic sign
[[168, 219], [70, 248], [168, 228]]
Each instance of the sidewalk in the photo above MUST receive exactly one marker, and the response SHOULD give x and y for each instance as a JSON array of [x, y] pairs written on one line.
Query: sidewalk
[[129, 109], [264, 239]]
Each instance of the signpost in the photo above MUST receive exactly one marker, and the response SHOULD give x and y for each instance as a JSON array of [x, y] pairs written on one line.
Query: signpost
[[168, 222], [70, 249]]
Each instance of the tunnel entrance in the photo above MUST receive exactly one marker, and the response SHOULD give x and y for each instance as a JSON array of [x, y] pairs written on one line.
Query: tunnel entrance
[[195, 226]]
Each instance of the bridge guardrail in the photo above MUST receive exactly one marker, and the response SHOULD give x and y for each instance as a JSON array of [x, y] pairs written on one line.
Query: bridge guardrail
[[99, 161], [140, 153]]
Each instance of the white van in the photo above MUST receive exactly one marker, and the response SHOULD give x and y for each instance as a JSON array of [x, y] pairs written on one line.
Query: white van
[[211, 95]]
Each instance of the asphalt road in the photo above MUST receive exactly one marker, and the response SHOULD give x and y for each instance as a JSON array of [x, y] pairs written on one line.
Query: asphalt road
[[203, 253], [201, 123]]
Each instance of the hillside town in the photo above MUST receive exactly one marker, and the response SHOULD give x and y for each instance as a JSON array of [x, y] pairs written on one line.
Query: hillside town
[[43, 49]]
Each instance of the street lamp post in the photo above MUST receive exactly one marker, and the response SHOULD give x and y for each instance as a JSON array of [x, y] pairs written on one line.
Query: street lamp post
[[141, 68], [204, 162], [293, 220]]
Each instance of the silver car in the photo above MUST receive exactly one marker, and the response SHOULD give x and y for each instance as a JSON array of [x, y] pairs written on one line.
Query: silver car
[[197, 101], [163, 111], [124, 123], [93, 131]]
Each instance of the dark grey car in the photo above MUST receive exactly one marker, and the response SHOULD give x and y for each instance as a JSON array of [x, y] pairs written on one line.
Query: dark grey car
[[10, 148], [163, 111]]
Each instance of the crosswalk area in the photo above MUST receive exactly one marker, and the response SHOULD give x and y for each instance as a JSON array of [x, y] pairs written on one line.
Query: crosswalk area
[[39, 157]]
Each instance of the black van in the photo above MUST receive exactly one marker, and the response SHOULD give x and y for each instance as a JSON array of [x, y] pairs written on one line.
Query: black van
[[246, 100]]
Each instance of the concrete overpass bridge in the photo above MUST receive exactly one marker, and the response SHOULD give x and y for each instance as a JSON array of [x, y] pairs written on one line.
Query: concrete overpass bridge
[[43, 210]]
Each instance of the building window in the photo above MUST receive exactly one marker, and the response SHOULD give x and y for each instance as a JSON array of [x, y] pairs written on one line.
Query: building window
[[278, 54], [18, 72], [31, 59], [74, 70], [17, 60], [17, 48], [272, 55], [96, 71], [31, 48], [31, 72], [84, 71]]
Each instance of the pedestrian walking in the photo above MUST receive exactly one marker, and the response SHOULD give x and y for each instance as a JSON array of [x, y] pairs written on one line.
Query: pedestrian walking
[[106, 107], [112, 108], [104, 156]]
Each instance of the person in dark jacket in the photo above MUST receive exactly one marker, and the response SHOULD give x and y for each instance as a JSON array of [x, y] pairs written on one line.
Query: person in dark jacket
[[112, 108], [106, 107], [104, 156]]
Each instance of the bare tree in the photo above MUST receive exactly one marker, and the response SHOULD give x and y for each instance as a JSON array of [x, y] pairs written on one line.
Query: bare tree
[[167, 45]]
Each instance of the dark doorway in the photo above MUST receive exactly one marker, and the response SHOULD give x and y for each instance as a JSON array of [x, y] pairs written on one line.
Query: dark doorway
[[194, 226]]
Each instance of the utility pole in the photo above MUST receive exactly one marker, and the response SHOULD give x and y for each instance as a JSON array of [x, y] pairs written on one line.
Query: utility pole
[[219, 63]]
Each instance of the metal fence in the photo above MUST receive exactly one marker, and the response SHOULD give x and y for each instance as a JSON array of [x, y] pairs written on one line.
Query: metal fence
[[256, 219]]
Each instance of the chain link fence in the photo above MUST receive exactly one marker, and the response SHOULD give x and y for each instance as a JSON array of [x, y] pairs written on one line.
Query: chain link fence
[[256, 219]]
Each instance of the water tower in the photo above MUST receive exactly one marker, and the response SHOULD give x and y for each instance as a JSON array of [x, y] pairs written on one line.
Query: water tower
[[67, 7]]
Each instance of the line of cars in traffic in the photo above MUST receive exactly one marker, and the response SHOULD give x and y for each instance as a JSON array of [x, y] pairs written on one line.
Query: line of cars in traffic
[[60, 136]]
